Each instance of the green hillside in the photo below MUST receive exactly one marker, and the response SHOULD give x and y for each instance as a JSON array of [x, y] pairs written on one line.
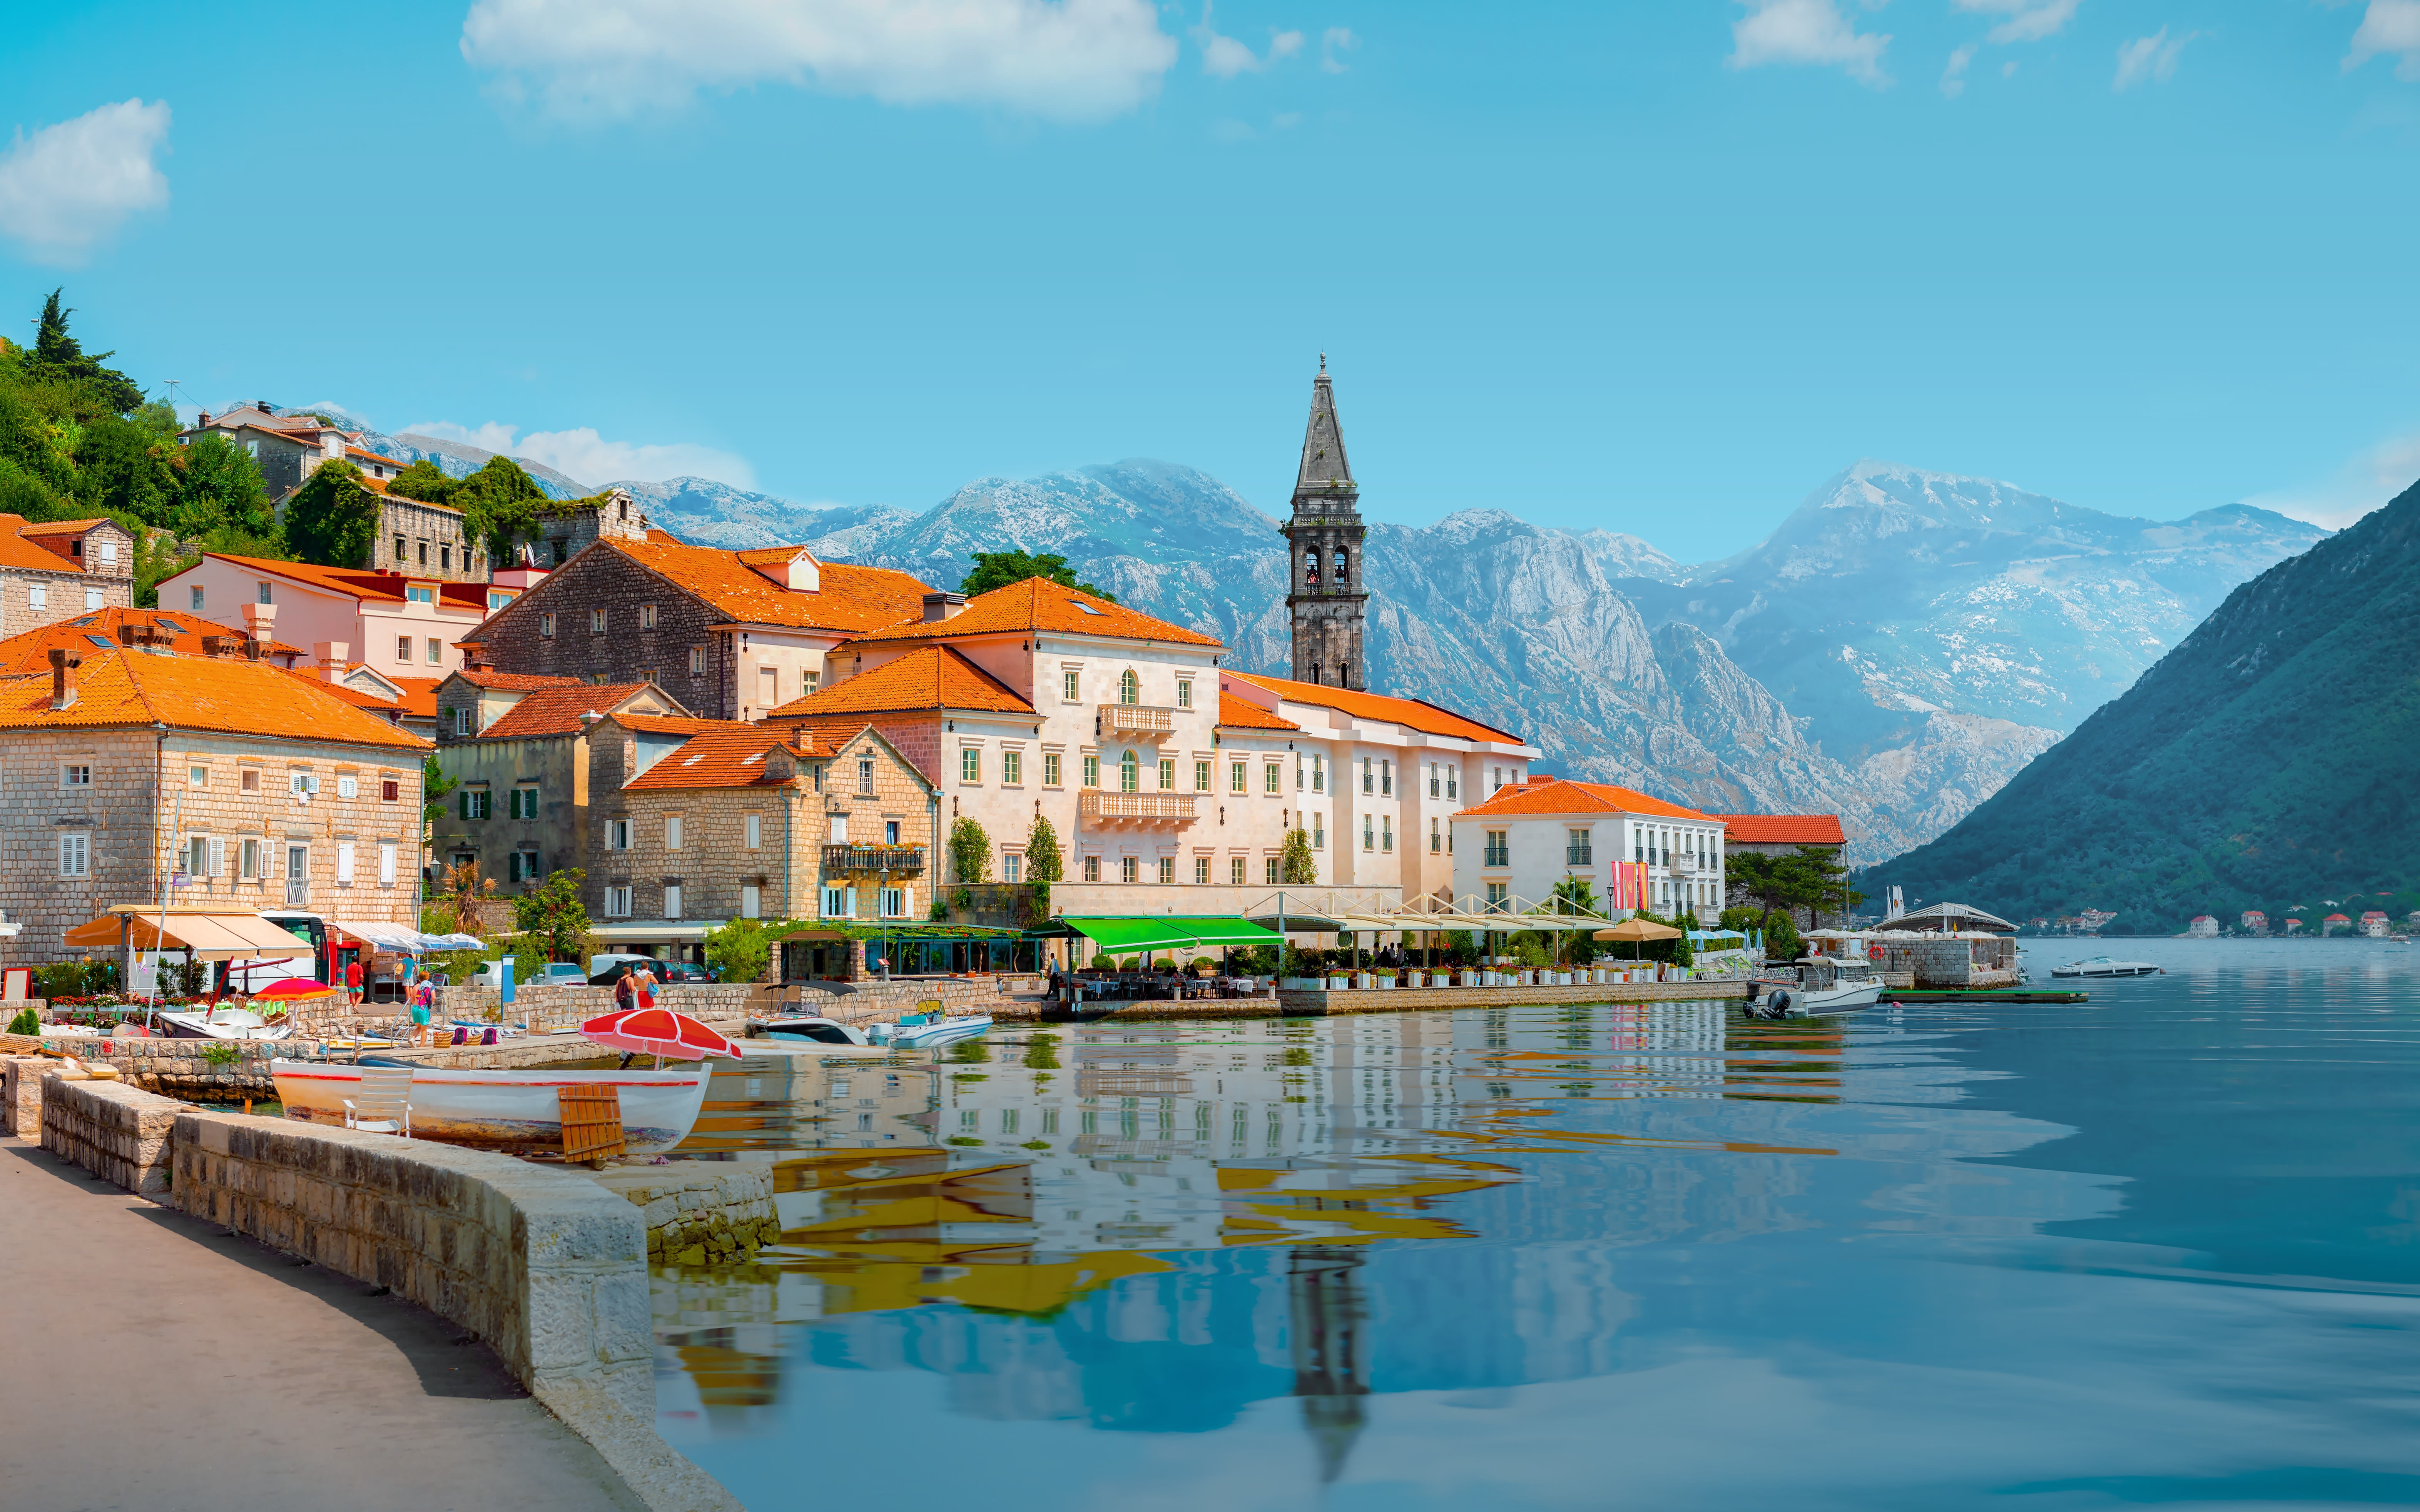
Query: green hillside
[[2270, 760]]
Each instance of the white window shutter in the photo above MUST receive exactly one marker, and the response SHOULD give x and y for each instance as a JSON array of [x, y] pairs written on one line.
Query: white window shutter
[[386, 862], [345, 861]]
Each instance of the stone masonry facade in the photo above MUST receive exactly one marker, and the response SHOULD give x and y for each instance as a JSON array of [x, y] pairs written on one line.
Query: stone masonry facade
[[33, 596], [555, 629], [425, 540]]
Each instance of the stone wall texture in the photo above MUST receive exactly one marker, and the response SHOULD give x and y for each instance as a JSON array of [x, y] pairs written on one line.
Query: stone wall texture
[[119, 1132]]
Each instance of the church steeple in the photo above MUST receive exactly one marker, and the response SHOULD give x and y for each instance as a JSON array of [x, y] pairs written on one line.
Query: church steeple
[[1324, 594]]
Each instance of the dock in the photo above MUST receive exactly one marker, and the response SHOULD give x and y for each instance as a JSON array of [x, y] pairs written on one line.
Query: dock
[[1988, 994]]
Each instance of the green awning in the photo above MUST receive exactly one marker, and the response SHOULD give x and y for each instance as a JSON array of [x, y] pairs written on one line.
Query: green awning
[[1134, 934]]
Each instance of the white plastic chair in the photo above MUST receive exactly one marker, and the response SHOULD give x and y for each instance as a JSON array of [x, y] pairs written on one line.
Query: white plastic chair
[[383, 1102]]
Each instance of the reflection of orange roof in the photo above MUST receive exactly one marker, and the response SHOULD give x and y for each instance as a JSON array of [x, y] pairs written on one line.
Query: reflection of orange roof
[[556, 711], [1412, 714], [1783, 829], [196, 693], [1559, 796], [850, 599], [929, 677], [1243, 714], [1039, 604], [30, 651], [731, 757]]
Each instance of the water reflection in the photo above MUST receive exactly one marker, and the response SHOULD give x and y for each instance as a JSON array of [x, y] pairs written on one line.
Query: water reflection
[[1438, 1257]]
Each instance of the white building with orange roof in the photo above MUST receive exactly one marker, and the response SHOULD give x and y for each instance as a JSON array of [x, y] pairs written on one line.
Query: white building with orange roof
[[397, 625], [1514, 849]]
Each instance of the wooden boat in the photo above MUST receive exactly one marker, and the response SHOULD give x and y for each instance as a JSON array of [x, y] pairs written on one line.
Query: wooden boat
[[914, 1031], [225, 1022], [505, 1109], [2100, 966]]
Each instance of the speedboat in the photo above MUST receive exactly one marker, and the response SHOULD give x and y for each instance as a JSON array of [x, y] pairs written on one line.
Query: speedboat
[[914, 1031], [1786, 1002], [2100, 966], [504, 1109], [225, 1024]]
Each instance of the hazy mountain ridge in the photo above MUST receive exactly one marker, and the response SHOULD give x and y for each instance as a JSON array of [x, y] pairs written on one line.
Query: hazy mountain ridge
[[453, 458]]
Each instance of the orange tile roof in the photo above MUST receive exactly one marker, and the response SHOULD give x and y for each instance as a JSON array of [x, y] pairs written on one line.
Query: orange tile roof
[[248, 698], [1559, 796], [850, 599], [672, 724], [1412, 714], [510, 681], [1039, 604], [1783, 829], [556, 711], [929, 677], [30, 652], [362, 582], [386, 708], [731, 757], [61, 527], [17, 551], [1243, 714], [419, 695]]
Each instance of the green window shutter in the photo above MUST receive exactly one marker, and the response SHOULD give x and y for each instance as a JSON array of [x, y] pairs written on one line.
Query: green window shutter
[[466, 802]]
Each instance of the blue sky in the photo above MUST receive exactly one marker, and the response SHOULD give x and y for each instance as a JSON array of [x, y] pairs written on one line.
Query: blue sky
[[1656, 267]]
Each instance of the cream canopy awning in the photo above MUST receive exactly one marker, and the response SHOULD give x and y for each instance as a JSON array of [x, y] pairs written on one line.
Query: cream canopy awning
[[209, 936]]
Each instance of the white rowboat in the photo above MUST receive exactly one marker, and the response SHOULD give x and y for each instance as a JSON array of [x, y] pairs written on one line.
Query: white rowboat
[[505, 1109], [2100, 966]]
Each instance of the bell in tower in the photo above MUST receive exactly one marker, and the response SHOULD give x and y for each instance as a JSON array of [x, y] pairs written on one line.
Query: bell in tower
[[1324, 594]]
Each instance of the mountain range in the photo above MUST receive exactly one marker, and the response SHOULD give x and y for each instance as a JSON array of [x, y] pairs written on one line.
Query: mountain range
[[2265, 761]]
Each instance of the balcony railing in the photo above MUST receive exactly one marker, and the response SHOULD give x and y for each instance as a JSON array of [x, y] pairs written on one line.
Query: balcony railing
[[1146, 808], [1146, 719], [1578, 855], [868, 860], [298, 892], [1495, 855]]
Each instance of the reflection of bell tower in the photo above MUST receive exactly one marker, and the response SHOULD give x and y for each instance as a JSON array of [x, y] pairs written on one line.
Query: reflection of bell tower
[[1331, 1369], [1324, 594]]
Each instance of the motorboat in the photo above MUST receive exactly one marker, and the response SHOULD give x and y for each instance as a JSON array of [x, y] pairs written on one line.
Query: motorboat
[[226, 1022], [2100, 966], [913, 1031], [504, 1109], [1787, 1002]]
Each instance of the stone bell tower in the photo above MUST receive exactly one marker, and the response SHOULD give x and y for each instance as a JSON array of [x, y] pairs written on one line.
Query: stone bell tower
[[1323, 592]]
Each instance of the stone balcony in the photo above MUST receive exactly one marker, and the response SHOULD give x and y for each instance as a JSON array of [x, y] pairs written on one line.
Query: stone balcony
[[1097, 807], [873, 860], [1147, 721]]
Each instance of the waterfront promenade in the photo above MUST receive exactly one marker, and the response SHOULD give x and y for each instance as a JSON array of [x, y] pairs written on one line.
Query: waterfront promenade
[[157, 1362]]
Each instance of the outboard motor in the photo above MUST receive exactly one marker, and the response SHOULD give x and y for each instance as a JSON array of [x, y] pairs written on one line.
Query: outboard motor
[[1778, 1006]]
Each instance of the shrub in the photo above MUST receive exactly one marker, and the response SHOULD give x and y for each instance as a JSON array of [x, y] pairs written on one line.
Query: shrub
[[1104, 963], [739, 949], [27, 1021]]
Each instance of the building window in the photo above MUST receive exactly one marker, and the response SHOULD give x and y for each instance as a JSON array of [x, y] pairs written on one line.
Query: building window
[[672, 832], [1129, 773], [1368, 834], [75, 777], [348, 786], [970, 763], [1453, 781], [768, 686], [865, 778], [1049, 769], [420, 594], [1386, 778], [197, 776], [836, 903], [672, 900], [696, 661], [1386, 833], [403, 648], [444, 558], [617, 835], [1432, 779], [474, 803], [75, 855], [38, 598], [1126, 869], [1072, 685], [1436, 840], [435, 651], [196, 597], [752, 832], [1319, 774], [546, 625], [1368, 775], [646, 616], [1235, 870], [248, 862], [389, 790], [523, 866], [1092, 771], [1185, 693], [260, 586], [1011, 768], [618, 902], [595, 621], [497, 600], [1319, 832], [1271, 779], [1012, 867], [1168, 870], [92, 599], [344, 863], [524, 803], [1578, 852], [1270, 866], [1201, 777], [1201, 870], [1497, 851], [894, 903], [1091, 868], [1129, 687], [386, 863], [1499, 897], [1236, 781], [1168, 774], [424, 552], [250, 780]]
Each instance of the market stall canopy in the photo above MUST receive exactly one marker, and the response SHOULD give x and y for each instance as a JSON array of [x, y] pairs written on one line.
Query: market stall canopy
[[403, 937], [1638, 929], [1170, 931], [209, 936]]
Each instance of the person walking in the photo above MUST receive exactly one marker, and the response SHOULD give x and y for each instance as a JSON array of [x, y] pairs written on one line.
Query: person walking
[[354, 981], [626, 991], [645, 986]]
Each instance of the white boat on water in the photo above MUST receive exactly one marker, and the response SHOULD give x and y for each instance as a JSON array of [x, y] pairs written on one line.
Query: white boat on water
[[1787, 1002], [225, 1024], [913, 1032], [2100, 966], [505, 1109]]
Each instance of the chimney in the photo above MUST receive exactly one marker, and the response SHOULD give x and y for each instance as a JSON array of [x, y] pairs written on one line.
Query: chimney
[[63, 689], [128, 633], [331, 655], [213, 645], [940, 606], [203, 422], [261, 620]]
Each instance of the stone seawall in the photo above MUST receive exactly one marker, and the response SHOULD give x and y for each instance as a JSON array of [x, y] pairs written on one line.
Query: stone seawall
[[119, 1132], [549, 1006]]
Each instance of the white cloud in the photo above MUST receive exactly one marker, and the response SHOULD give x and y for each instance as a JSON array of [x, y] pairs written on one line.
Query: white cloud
[[2029, 21], [1223, 58], [1332, 41], [2361, 485], [1954, 78], [2388, 26], [1807, 31], [587, 458], [67, 187], [2149, 57], [1059, 59]]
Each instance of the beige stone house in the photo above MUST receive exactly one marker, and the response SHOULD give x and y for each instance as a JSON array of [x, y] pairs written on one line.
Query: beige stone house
[[60, 569], [131, 775]]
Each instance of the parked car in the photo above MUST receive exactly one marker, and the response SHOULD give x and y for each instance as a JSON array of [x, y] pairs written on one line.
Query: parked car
[[668, 973], [491, 974]]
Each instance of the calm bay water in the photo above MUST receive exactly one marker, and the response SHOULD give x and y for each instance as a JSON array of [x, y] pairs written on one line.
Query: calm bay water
[[2159, 1248]]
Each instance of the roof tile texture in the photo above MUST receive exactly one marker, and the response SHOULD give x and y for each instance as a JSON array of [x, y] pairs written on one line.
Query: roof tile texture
[[1783, 829], [1039, 604], [850, 599], [1412, 714], [929, 677], [196, 693], [1562, 797]]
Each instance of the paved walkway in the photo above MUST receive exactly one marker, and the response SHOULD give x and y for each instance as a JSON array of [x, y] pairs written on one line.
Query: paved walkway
[[147, 1359]]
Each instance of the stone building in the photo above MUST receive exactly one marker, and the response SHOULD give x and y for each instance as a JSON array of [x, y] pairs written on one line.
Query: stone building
[[523, 802], [60, 569], [186, 635], [212, 781], [731, 634], [418, 539], [1326, 599], [288, 449]]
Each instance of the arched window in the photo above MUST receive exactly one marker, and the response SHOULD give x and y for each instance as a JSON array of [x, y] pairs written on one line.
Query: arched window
[[1343, 674], [1129, 776], [1310, 568], [1344, 567], [1129, 687]]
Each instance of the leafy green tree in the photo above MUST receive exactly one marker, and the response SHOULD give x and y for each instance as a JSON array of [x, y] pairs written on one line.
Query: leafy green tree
[[219, 488], [425, 481], [552, 911], [969, 851], [332, 519], [1574, 895], [1297, 866], [434, 786], [59, 357], [501, 505], [739, 949], [998, 569], [125, 469]]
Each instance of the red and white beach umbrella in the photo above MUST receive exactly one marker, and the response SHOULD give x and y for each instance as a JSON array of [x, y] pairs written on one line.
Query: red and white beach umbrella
[[659, 1031]]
